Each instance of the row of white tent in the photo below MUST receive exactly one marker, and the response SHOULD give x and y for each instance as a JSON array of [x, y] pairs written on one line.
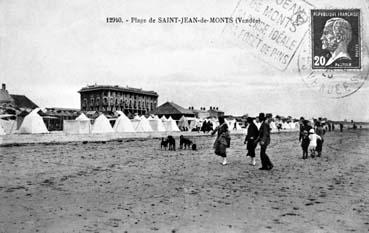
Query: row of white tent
[[33, 124]]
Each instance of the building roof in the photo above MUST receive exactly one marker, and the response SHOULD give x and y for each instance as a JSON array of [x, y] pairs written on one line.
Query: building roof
[[117, 88], [170, 108], [5, 97], [21, 101]]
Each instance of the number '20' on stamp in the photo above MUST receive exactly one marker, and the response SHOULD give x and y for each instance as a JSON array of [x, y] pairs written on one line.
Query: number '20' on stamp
[[336, 39]]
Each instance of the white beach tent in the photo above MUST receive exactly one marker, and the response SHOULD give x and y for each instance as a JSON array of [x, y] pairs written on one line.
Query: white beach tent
[[135, 121], [194, 122], [82, 117], [123, 124], [102, 125], [156, 124], [81, 125], [183, 123], [33, 123], [292, 125], [285, 125], [143, 125], [171, 125], [163, 118]]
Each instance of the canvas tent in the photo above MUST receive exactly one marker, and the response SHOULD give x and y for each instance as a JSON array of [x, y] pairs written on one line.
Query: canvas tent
[[102, 125], [123, 124], [171, 125], [81, 125], [33, 123], [183, 123], [156, 124], [135, 122], [82, 117], [193, 122], [143, 125]]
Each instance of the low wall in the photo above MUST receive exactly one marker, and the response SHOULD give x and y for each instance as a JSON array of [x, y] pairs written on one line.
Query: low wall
[[61, 137]]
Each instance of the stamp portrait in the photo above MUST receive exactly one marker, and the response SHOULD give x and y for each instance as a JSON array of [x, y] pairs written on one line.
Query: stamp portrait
[[335, 37]]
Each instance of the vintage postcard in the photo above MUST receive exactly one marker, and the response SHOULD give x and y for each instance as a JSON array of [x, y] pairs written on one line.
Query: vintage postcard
[[204, 116]]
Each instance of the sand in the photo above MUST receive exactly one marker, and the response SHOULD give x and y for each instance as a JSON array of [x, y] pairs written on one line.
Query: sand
[[134, 186]]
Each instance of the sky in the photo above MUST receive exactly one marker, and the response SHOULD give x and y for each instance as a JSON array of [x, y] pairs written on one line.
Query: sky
[[51, 49]]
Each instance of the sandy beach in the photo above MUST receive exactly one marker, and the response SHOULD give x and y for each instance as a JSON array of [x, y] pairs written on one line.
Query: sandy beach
[[134, 186]]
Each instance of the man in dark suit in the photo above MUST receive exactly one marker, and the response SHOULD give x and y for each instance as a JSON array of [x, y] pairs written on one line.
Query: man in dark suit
[[252, 135], [264, 139]]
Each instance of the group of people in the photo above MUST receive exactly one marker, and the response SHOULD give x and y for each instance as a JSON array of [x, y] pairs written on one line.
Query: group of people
[[311, 139], [254, 137]]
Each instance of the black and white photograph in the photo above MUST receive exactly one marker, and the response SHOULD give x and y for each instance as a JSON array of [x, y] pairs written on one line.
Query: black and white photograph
[[181, 116]]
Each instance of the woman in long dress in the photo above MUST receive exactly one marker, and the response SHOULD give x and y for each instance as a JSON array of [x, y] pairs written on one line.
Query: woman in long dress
[[222, 142]]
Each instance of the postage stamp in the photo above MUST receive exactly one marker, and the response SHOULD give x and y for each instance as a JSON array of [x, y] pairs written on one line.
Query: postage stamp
[[331, 83], [278, 32], [335, 36]]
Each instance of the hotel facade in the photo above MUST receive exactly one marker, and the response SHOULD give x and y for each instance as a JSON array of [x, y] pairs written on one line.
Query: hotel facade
[[108, 99]]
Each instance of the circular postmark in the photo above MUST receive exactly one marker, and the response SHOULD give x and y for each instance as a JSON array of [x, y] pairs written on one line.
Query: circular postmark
[[331, 83]]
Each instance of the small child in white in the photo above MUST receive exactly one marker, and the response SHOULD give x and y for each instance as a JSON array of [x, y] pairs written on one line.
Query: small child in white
[[313, 142]]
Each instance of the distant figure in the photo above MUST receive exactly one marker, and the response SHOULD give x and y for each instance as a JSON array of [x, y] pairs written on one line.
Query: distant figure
[[235, 125], [332, 127], [304, 127], [341, 127], [313, 142], [252, 134], [223, 140], [354, 126], [264, 139], [319, 131], [329, 126], [305, 144]]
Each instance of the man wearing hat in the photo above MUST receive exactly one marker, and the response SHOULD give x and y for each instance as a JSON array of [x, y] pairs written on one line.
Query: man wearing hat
[[264, 139], [252, 134]]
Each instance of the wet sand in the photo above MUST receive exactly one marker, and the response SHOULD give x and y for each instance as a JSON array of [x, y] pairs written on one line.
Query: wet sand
[[134, 186]]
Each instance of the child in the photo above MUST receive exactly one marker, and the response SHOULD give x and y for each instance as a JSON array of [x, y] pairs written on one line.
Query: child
[[313, 142], [305, 144]]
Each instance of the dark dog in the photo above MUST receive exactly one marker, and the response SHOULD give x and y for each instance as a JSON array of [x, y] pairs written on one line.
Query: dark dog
[[164, 143], [171, 143], [184, 142]]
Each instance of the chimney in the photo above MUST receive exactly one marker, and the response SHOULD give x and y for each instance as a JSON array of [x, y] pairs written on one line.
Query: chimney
[[3, 86]]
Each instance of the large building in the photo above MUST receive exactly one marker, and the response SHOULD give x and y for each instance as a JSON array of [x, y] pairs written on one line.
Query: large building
[[108, 99]]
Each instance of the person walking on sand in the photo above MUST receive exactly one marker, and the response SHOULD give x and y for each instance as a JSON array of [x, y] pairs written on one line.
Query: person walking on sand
[[305, 144], [222, 142], [264, 139], [251, 136], [319, 131], [313, 142]]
